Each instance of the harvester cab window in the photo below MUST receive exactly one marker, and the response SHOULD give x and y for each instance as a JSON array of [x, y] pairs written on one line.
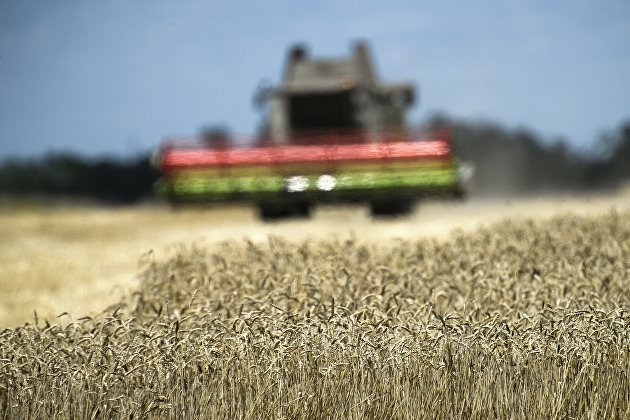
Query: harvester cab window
[[322, 112]]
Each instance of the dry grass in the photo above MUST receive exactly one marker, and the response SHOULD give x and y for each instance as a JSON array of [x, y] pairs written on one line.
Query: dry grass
[[524, 319]]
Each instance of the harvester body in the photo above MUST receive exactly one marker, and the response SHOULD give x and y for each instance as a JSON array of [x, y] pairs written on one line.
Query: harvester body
[[333, 132]]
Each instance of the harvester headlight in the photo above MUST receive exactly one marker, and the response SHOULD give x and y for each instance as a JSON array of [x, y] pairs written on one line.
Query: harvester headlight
[[466, 171], [326, 183], [296, 183]]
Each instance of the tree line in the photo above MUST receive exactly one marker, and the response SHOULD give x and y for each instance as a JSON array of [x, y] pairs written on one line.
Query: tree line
[[67, 175], [505, 161]]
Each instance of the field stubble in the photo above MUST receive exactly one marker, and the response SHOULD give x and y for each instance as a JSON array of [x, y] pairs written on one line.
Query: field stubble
[[521, 319]]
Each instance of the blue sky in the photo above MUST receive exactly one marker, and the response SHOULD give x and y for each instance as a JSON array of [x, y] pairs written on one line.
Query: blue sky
[[116, 76]]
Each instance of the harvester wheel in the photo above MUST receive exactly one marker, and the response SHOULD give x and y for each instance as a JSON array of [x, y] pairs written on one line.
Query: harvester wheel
[[275, 211], [391, 207]]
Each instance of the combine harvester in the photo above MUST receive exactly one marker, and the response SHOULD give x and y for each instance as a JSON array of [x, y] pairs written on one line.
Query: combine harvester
[[334, 133]]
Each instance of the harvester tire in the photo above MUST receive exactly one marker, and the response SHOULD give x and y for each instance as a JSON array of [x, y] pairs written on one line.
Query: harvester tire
[[391, 207], [276, 211]]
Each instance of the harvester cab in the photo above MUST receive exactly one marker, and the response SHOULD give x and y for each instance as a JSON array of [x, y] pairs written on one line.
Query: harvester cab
[[323, 97]]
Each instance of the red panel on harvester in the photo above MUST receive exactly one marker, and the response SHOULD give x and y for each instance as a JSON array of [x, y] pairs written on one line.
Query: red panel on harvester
[[174, 158]]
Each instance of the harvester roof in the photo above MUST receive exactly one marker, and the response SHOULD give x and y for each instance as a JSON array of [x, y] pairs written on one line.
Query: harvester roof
[[305, 74]]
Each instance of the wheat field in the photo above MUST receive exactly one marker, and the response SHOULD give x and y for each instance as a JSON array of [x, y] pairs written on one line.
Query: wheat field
[[81, 259], [524, 317]]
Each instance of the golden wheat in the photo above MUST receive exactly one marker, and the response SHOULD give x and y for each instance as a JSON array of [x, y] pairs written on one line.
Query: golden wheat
[[519, 320]]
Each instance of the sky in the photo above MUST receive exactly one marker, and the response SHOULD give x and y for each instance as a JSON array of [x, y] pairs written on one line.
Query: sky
[[115, 77]]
